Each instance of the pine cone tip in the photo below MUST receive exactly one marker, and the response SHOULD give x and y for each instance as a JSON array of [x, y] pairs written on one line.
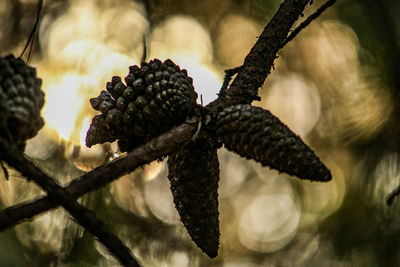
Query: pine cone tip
[[151, 100], [211, 252], [255, 133]]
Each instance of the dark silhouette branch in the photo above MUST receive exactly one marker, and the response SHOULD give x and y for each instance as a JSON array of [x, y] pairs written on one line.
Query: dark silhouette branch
[[31, 37], [103, 175], [258, 63], [306, 22], [82, 215], [230, 72], [272, 37], [243, 90]]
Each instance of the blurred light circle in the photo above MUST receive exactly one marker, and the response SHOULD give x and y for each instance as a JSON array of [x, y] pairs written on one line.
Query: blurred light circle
[[65, 100], [185, 41], [386, 179], [233, 173], [45, 233], [235, 37], [82, 55], [109, 65], [17, 189], [269, 223], [356, 102], [243, 262], [180, 259], [43, 145], [121, 27], [128, 191], [205, 81], [79, 22], [331, 50], [294, 101], [181, 36], [127, 194], [127, 31], [387, 172], [322, 199], [159, 199]]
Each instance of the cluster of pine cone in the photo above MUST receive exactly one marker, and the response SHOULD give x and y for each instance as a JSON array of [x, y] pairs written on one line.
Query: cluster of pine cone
[[158, 96], [153, 99], [21, 101]]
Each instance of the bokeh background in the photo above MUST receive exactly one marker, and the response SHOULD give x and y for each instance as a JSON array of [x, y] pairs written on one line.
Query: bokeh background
[[336, 85]]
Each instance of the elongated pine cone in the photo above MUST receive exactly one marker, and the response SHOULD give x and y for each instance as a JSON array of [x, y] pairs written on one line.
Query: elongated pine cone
[[153, 99], [21, 101], [255, 133], [194, 176]]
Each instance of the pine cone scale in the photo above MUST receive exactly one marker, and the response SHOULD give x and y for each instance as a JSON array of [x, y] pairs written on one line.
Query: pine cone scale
[[21, 100], [194, 176], [154, 98], [274, 145]]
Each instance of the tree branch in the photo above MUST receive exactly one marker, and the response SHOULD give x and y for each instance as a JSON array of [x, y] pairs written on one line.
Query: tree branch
[[227, 79], [260, 60], [244, 89], [103, 175], [305, 23], [31, 37], [82, 215]]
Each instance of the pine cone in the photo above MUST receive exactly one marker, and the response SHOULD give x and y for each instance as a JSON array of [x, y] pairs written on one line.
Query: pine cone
[[194, 176], [256, 134], [21, 101], [154, 98]]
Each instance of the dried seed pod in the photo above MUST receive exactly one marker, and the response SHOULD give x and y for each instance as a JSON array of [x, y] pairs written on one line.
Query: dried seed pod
[[194, 176], [255, 133], [98, 132], [148, 105], [21, 101]]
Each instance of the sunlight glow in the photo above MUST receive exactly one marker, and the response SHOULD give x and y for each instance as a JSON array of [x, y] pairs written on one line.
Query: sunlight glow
[[83, 52], [63, 103], [187, 43]]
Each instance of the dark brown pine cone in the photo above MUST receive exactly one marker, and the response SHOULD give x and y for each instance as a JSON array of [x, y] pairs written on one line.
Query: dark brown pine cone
[[21, 101], [153, 99], [194, 176], [255, 133]]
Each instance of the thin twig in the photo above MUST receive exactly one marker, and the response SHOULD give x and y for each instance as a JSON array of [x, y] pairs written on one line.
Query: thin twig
[[227, 79], [144, 52], [82, 215], [33, 32], [165, 144], [147, 9], [306, 22], [392, 196], [258, 63]]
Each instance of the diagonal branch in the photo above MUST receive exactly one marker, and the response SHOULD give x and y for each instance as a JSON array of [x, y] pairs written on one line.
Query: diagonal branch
[[31, 37], [103, 175], [82, 215], [243, 89], [258, 63], [307, 22]]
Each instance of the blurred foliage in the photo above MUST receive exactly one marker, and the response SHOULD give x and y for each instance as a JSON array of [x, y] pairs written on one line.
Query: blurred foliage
[[337, 85]]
